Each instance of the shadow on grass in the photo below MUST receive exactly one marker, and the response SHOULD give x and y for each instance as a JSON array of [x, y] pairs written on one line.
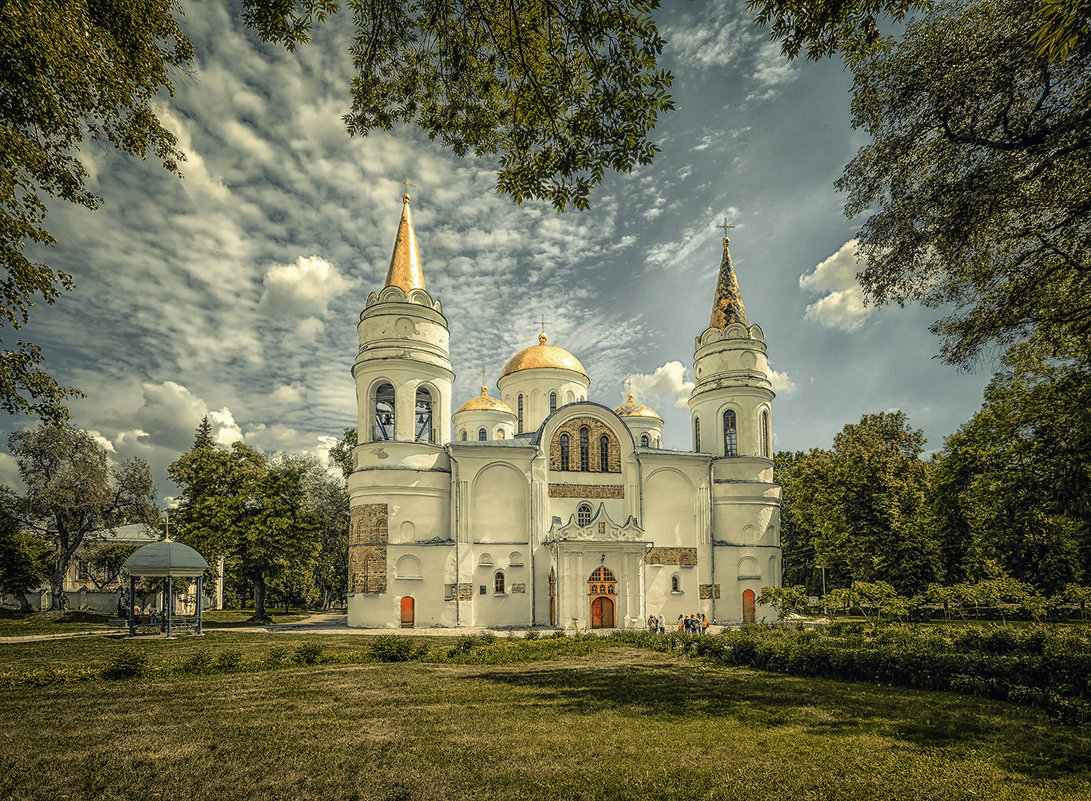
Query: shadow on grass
[[1020, 739]]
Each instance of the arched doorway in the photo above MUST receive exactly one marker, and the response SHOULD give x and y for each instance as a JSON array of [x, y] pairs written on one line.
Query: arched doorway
[[602, 589], [407, 612], [748, 606]]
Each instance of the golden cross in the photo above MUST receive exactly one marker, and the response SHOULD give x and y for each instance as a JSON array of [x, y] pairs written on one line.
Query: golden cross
[[629, 384], [407, 185], [725, 226], [542, 323], [482, 378]]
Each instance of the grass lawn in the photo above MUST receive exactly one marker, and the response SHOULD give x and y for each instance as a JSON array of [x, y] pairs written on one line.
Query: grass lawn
[[22, 624], [228, 618], [611, 723]]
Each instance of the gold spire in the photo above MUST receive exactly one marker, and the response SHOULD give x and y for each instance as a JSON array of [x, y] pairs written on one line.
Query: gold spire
[[727, 307], [405, 269]]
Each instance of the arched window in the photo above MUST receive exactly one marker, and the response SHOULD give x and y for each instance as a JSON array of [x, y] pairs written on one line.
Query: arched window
[[552, 402], [644, 440], [520, 413], [564, 451], [498, 580], [765, 434], [423, 412], [604, 454], [583, 514], [384, 412], [731, 434], [676, 584], [696, 435], [585, 449], [482, 435], [499, 433], [463, 436]]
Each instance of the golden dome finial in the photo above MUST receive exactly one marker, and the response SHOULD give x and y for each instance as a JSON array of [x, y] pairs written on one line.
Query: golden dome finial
[[405, 269], [630, 398], [542, 338], [484, 392]]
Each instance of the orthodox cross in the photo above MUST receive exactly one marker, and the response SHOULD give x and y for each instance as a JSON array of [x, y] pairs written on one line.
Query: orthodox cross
[[542, 323], [629, 384], [406, 184], [725, 226], [482, 378]]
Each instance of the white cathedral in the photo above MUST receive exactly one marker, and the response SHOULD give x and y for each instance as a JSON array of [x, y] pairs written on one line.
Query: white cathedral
[[544, 508]]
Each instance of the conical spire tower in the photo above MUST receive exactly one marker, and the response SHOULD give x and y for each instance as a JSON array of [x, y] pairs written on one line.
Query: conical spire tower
[[405, 270], [727, 307]]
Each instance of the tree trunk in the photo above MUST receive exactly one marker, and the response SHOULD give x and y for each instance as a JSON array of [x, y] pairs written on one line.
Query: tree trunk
[[259, 596], [24, 604], [58, 601]]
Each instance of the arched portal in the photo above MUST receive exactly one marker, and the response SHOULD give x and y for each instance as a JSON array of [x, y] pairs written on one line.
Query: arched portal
[[407, 612], [602, 589], [748, 606]]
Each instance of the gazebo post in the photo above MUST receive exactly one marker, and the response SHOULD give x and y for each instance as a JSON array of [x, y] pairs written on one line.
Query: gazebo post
[[170, 606], [200, 589], [132, 601]]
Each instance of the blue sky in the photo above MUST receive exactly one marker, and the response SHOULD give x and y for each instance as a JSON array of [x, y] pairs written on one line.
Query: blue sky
[[235, 291]]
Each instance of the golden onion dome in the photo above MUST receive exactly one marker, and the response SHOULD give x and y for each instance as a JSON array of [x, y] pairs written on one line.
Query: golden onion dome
[[543, 355], [633, 409], [483, 403]]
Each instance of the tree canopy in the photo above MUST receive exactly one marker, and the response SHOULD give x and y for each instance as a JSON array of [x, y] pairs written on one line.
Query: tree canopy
[[978, 180]]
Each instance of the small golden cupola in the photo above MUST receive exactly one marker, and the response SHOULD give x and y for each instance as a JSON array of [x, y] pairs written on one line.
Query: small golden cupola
[[484, 419], [405, 270], [643, 422], [727, 306], [539, 380]]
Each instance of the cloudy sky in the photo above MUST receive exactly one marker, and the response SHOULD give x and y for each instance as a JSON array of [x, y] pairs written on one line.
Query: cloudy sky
[[235, 291]]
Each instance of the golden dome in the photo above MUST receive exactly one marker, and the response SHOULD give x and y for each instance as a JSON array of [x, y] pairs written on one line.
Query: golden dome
[[633, 409], [483, 403], [543, 355]]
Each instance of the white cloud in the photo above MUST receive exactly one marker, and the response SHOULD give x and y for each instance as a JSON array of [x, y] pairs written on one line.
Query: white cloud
[[224, 428], [781, 382], [843, 305], [667, 384], [303, 288], [9, 472]]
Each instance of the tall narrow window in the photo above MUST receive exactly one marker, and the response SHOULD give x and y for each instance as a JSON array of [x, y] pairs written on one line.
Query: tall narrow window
[[696, 435], [644, 440], [499, 582], [604, 454], [463, 437], [585, 449], [564, 451], [384, 413], [731, 434], [482, 435], [583, 515], [552, 402], [423, 412], [765, 434], [520, 414]]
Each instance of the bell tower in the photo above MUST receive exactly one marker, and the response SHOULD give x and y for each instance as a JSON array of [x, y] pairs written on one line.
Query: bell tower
[[731, 418]]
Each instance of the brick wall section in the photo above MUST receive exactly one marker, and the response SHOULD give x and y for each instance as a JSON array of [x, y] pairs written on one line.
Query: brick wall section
[[368, 535], [706, 591], [671, 556], [597, 429], [465, 592], [586, 491]]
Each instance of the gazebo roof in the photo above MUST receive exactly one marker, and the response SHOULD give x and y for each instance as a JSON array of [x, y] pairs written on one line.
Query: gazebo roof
[[166, 558]]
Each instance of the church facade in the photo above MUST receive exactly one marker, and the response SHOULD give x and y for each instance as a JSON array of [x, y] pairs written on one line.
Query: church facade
[[539, 507]]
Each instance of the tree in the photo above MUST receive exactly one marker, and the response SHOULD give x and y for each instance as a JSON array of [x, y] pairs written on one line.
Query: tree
[[1016, 479], [876, 597], [73, 492], [978, 180], [786, 600], [341, 453], [240, 505], [107, 561], [560, 92], [24, 560], [865, 503], [69, 71]]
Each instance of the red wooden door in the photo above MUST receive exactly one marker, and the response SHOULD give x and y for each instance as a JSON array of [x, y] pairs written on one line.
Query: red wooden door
[[407, 612], [602, 613], [748, 606]]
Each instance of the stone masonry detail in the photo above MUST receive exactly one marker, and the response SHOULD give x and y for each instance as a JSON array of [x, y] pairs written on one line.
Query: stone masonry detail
[[597, 429], [586, 491], [368, 535], [671, 556]]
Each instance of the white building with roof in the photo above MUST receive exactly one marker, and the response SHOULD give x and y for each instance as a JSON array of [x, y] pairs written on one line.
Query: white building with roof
[[541, 508]]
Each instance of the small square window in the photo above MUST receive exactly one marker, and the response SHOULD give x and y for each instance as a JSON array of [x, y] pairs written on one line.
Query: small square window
[[484, 590]]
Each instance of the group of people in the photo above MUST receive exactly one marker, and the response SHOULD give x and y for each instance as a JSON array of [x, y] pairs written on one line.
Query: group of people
[[687, 624], [151, 611]]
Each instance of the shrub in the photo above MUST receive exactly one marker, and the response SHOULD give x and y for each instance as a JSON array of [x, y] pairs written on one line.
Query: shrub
[[391, 648], [308, 654], [130, 663], [199, 662], [487, 637], [278, 656], [532, 634], [229, 660]]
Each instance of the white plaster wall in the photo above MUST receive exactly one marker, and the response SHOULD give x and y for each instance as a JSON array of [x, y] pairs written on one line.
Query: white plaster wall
[[535, 385], [492, 421], [645, 425], [670, 508]]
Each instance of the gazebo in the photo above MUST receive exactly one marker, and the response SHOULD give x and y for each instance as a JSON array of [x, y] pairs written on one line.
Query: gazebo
[[170, 559]]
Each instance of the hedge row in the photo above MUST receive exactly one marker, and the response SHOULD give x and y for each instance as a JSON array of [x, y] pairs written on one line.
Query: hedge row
[[1042, 668]]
